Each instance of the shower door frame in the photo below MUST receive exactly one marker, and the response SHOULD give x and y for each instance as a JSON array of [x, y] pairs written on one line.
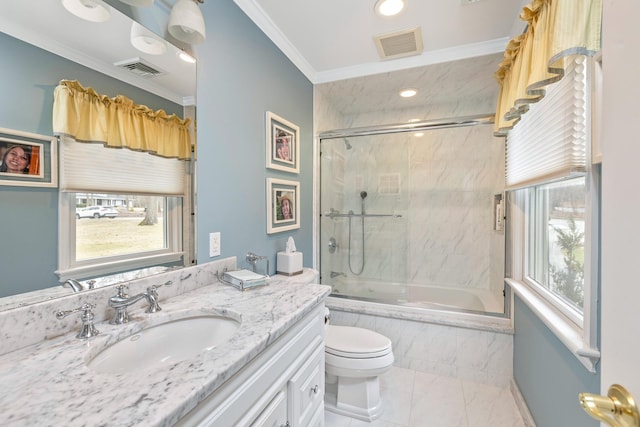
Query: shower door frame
[[444, 123]]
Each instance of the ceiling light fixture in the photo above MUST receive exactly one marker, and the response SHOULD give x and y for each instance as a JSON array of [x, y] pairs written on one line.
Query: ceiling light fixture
[[146, 41], [389, 7], [89, 10], [186, 22], [138, 3], [408, 93]]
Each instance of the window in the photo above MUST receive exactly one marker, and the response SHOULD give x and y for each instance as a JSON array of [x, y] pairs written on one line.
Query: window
[[101, 208], [556, 243]]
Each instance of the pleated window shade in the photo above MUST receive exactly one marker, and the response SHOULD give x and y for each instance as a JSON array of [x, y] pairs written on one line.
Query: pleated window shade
[[90, 167], [550, 141]]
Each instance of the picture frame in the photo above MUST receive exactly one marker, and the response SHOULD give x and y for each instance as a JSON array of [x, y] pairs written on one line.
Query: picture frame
[[283, 205], [283, 144], [28, 159]]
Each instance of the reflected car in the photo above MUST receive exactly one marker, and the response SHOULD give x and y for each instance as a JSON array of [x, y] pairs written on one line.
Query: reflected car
[[96, 212]]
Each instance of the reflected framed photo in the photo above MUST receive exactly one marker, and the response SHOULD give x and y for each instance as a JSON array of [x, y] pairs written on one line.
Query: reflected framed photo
[[28, 159], [283, 144], [283, 205]]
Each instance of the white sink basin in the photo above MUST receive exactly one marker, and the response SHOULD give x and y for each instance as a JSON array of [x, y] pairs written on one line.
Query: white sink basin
[[165, 343]]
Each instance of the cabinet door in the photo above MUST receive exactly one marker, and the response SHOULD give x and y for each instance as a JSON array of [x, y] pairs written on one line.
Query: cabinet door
[[306, 389], [275, 414]]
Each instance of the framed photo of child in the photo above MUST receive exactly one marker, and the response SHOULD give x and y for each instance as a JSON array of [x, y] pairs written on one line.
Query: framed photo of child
[[283, 205], [283, 144]]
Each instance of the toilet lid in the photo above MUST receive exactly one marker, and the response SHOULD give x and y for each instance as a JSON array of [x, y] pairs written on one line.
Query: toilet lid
[[348, 341]]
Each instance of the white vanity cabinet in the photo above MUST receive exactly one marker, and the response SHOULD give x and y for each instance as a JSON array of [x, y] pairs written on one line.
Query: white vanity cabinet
[[281, 386]]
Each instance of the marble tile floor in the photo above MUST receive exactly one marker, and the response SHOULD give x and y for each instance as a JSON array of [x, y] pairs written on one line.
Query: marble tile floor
[[418, 399]]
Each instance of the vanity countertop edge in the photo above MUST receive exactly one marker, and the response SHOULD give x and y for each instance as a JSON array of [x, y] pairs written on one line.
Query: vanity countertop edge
[[49, 383]]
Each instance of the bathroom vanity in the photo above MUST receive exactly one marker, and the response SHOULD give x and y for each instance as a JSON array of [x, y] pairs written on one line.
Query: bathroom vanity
[[268, 371]]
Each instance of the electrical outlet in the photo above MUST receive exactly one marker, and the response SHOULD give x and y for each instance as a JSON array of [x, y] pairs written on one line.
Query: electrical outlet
[[214, 244]]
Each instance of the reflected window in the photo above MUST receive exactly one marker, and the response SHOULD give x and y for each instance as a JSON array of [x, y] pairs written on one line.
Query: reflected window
[[110, 225], [108, 232]]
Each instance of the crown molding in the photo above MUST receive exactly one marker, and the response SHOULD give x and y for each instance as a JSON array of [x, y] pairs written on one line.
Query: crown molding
[[262, 20], [426, 58]]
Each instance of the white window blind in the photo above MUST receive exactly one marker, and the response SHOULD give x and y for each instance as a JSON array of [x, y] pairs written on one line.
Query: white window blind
[[550, 141], [95, 168]]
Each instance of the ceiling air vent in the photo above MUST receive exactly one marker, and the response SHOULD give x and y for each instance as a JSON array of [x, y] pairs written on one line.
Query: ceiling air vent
[[400, 43], [140, 67]]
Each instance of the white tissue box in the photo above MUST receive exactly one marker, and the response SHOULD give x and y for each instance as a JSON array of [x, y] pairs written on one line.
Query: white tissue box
[[289, 263]]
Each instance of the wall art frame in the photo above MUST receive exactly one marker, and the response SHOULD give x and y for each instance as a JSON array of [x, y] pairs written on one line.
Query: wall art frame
[[283, 205], [283, 144], [28, 159]]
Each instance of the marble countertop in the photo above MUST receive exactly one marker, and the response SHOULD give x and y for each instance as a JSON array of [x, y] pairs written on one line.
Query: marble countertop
[[48, 384]]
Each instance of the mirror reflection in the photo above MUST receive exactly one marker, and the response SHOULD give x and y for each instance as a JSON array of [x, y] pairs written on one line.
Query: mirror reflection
[[42, 47]]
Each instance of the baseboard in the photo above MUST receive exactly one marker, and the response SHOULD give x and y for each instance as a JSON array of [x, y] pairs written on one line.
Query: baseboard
[[521, 404]]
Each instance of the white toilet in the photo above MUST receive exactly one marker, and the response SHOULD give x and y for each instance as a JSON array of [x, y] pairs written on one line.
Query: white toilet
[[354, 359]]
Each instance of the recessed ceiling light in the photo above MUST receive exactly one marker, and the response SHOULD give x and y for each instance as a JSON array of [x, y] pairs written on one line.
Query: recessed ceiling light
[[413, 120], [389, 7], [418, 134], [408, 93]]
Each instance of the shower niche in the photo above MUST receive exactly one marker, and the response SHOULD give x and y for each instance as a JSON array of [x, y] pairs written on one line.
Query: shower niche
[[411, 220]]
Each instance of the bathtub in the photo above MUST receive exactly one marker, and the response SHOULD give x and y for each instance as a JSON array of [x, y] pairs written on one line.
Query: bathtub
[[419, 296]]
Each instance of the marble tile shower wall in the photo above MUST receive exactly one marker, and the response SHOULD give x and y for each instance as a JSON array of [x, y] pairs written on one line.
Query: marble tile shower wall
[[453, 175], [471, 355]]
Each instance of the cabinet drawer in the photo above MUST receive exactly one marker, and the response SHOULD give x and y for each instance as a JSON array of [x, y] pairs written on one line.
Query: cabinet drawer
[[306, 389]]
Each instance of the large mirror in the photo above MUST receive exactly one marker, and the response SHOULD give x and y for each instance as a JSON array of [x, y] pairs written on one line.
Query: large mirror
[[42, 45]]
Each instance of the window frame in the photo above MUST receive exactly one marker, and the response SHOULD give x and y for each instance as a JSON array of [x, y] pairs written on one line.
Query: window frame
[[69, 267], [577, 332], [559, 304]]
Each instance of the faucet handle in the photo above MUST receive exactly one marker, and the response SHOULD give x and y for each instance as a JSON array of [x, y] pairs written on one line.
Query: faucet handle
[[152, 297], [121, 291], [154, 288], [88, 329]]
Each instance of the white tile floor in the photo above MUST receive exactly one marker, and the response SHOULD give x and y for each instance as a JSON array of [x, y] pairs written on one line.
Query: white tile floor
[[418, 399]]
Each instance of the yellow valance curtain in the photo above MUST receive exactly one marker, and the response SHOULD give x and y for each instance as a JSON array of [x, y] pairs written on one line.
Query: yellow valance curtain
[[86, 116], [556, 30]]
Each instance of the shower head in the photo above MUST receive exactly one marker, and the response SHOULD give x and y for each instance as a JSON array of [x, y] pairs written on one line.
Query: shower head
[[363, 194], [346, 144]]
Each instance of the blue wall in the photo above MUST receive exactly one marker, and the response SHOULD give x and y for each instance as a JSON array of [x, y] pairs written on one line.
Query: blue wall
[[548, 375], [29, 216], [241, 75]]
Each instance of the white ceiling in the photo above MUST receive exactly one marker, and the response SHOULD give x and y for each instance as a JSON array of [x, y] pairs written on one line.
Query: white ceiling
[[334, 39]]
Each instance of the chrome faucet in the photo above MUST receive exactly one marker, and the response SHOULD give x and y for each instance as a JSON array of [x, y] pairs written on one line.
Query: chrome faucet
[[73, 284], [88, 329], [253, 260], [77, 286], [335, 274], [121, 302]]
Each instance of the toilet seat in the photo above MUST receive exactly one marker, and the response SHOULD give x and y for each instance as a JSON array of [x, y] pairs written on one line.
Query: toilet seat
[[356, 343]]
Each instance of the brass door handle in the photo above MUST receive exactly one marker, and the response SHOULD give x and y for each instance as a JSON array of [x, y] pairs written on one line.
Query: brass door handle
[[618, 408]]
